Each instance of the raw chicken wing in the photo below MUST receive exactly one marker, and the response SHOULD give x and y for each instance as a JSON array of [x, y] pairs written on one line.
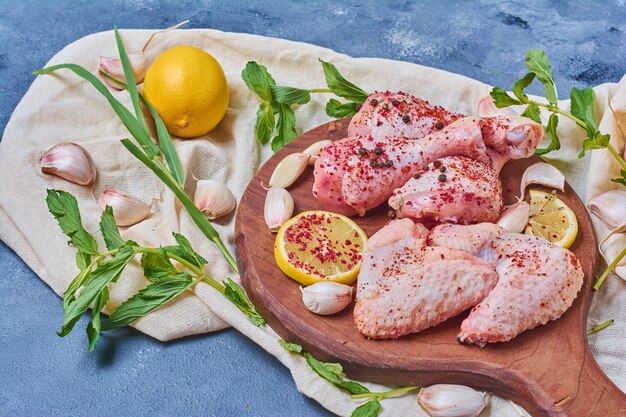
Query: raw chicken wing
[[470, 238]]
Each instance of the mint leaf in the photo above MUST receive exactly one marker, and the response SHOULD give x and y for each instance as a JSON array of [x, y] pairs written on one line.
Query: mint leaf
[[110, 232], [148, 299], [520, 85], [582, 108], [157, 266], [106, 272], [333, 373], [286, 127], [236, 294], [501, 98], [290, 95], [64, 208], [532, 112], [621, 180], [264, 122], [258, 80], [537, 63], [185, 251], [555, 144], [290, 347], [340, 86], [334, 108], [371, 408], [93, 328], [594, 141]]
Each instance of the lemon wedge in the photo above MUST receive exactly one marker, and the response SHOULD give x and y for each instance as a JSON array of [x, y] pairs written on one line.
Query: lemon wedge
[[317, 246], [553, 220]]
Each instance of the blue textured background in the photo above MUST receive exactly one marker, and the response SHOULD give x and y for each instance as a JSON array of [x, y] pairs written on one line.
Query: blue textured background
[[225, 374]]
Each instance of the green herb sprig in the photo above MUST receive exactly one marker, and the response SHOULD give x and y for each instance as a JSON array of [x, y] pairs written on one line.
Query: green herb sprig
[[600, 327], [279, 100], [581, 109], [98, 270], [333, 373]]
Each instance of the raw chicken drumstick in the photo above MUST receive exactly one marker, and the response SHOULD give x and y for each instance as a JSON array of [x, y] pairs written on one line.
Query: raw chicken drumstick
[[405, 286]]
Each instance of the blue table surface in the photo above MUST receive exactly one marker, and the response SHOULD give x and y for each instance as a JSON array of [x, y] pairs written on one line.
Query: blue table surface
[[225, 374]]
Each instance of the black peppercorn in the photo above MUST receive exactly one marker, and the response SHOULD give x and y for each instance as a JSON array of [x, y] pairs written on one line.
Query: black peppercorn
[[388, 163], [361, 152], [378, 151], [406, 118], [442, 169], [391, 214], [437, 164], [374, 102], [373, 163], [394, 103], [442, 178], [439, 125], [425, 168], [416, 175]]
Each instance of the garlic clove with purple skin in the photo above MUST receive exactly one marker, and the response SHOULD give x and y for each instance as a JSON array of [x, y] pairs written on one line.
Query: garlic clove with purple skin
[[289, 170], [447, 400], [278, 208], [544, 174], [127, 209], [214, 199], [314, 149], [112, 66], [71, 162], [326, 298], [515, 218], [610, 207]]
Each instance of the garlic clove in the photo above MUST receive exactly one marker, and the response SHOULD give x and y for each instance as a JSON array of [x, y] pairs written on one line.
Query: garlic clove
[[610, 207], [289, 170], [214, 199], [112, 65], [544, 174], [515, 218], [487, 108], [315, 149], [326, 297], [447, 400], [278, 208], [70, 162], [127, 209]]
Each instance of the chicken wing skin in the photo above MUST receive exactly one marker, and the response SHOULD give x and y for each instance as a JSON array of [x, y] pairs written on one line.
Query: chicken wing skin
[[469, 238]]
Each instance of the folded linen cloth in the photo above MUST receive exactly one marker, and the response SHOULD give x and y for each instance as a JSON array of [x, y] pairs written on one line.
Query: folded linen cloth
[[63, 107]]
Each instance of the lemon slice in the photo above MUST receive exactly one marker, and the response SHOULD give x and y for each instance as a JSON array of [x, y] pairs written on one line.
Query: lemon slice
[[317, 246], [553, 220]]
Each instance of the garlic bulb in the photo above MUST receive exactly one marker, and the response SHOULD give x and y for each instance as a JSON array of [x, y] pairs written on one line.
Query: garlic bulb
[[610, 207], [278, 208], [127, 209], [315, 149], [326, 297], [515, 218], [289, 170], [447, 400], [544, 174], [214, 199], [112, 66], [487, 108], [71, 162]]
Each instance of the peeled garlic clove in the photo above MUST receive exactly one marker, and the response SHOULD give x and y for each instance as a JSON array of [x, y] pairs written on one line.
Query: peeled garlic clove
[[70, 162], [544, 174], [315, 149], [289, 170], [326, 297], [214, 199], [487, 108], [127, 209], [447, 400], [610, 207], [515, 218], [112, 65], [278, 208]]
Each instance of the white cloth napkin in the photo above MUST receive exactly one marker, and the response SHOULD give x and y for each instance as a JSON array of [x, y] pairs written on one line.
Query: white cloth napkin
[[63, 107]]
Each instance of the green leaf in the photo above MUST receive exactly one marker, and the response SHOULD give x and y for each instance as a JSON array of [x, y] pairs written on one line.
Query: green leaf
[[64, 208], [258, 80], [555, 144], [582, 108], [290, 95], [597, 141], [82, 259], [264, 122], [110, 232], [286, 127], [185, 251], [157, 266], [333, 373], [148, 299], [106, 272], [340, 86], [334, 108], [502, 99], [620, 180], [236, 294], [537, 62], [520, 85], [290, 347], [128, 120], [77, 282], [93, 328], [532, 112], [371, 408]]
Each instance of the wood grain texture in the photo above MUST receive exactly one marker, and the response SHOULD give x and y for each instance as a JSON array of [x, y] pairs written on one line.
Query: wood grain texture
[[549, 370]]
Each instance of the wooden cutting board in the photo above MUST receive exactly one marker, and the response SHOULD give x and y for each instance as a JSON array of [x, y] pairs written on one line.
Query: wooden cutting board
[[549, 370]]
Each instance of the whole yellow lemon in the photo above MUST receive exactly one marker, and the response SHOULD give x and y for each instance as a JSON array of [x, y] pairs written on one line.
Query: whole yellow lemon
[[188, 88]]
